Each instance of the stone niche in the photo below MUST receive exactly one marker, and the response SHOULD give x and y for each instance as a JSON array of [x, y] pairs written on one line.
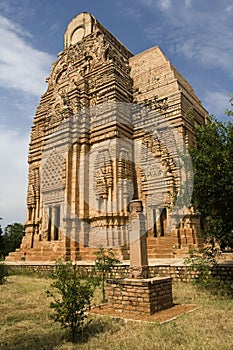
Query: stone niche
[[140, 295], [79, 28]]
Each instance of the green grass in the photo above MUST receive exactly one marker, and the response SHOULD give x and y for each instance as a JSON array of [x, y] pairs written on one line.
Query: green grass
[[25, 323]]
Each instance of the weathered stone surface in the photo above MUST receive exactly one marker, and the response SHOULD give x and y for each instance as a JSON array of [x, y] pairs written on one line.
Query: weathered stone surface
[[138, 248], [90, 153]]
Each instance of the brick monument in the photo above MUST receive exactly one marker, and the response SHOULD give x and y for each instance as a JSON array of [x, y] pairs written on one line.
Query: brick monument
[[107, 131], [139, 293]]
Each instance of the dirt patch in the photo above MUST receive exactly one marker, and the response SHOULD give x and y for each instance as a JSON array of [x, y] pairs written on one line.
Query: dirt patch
[[160, 317]]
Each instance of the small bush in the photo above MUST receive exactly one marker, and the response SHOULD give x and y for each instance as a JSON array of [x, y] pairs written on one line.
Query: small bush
[[71, 299], [105, 260], [3, 272], [203, 262]]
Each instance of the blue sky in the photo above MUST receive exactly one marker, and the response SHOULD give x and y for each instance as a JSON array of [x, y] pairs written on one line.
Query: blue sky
[[196, 35]]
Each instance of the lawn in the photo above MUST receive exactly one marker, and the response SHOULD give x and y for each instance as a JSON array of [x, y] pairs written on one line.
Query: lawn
[[25, 323]]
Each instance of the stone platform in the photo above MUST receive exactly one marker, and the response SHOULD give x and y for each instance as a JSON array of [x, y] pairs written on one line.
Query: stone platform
[[147, 296]]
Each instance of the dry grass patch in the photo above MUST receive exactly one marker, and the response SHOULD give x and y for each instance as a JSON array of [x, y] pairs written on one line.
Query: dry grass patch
[[25, 323]]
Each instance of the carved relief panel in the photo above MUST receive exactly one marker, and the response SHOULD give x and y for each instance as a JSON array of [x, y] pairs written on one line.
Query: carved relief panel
[[103, 174]]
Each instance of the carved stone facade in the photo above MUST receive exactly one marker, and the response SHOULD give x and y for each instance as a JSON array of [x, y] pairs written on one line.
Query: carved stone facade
[[101, 137]]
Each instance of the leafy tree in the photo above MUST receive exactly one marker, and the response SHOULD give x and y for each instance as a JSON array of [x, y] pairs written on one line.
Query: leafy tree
[[229, 112], [12, 237], [213, 185], [73, 298], [3, 272], [105, 260]]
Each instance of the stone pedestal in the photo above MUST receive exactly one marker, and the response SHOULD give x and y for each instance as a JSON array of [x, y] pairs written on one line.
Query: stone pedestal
[[140, 295], [138, 248]]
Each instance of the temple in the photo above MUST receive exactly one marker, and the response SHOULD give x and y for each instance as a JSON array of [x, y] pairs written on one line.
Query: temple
[[112, 127]]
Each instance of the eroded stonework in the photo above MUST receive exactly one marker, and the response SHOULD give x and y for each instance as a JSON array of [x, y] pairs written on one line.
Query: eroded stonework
[[100, 139]]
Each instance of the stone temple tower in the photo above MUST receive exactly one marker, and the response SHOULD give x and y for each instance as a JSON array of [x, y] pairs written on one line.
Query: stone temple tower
[[110, 128]]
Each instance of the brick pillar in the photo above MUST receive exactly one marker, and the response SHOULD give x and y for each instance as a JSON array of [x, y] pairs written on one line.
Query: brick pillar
[[138, 247]]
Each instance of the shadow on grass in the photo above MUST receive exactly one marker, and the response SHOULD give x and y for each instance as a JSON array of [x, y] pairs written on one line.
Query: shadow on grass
[[53, 339], [32, 341], [93, 328]]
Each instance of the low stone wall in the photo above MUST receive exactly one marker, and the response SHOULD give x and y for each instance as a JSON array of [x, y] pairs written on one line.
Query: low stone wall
[[179, 273], [140, 295], [223, 272]]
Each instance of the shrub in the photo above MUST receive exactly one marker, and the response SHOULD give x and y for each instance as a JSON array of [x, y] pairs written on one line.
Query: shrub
[[105, 260], [73, 297], [3, 272], [204, 263]]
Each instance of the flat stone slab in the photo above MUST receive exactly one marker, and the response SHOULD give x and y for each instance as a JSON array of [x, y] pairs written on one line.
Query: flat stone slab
[[139, 281], [160, 317]]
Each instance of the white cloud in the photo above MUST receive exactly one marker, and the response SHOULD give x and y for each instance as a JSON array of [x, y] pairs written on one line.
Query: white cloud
[[229, 8], [164, 4], [19, 9], [132, 13], [200, 34], [188, 3], [13, 175], [22, 67], [5, 7], [217, 103]]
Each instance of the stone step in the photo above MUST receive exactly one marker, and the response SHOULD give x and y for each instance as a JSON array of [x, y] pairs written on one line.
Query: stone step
[[162, 239], [162, 255], [158, 248], [163, 244]]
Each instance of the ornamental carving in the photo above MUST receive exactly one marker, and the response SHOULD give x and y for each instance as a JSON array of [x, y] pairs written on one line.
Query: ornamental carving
[[103, 174], [158, 171], [155, 104], [37, 131], [62, 107], [53, 196], [151, 147], [125, 170], [52, 171]]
